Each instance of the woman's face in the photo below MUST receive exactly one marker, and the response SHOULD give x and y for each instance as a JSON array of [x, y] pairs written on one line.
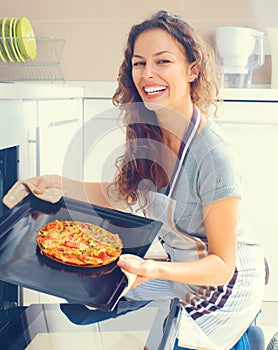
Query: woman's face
[[161, 72]]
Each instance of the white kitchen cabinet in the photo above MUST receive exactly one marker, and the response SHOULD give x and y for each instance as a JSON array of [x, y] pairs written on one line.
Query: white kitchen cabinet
[[253, 128], [60, 123], [51, 127], [11, 123], [104, 139]]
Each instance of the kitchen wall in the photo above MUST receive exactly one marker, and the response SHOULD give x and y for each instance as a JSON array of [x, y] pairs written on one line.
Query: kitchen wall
[[95, 31]]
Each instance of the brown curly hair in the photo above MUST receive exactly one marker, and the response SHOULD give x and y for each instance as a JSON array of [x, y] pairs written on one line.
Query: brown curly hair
[[140, 160]]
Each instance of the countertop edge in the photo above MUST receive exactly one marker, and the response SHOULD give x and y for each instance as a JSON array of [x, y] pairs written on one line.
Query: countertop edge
[[106, 89]]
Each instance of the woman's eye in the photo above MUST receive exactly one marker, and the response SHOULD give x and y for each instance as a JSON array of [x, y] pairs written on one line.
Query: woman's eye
[[163, 61], [139, 63]]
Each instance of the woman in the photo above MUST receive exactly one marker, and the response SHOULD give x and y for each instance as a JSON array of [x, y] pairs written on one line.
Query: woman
[[179, 168]]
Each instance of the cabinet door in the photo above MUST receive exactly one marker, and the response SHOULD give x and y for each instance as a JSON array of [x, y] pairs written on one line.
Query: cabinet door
[[104, 139], [60, 125], [11, 123], [258, 144]]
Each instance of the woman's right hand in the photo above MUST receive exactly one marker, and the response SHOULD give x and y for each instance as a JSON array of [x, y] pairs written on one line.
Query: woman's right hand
[[45, 181]]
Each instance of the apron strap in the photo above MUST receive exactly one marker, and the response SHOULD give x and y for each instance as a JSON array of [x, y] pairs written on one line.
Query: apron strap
[[188, 137]]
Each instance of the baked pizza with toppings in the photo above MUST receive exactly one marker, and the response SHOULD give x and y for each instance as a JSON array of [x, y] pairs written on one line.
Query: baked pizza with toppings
[[78, 243]]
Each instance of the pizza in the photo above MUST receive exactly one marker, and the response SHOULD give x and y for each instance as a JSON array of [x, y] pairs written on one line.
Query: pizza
[[78, 243]]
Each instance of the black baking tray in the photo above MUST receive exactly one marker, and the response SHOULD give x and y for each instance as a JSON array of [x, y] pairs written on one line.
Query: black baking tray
[[22, 264]]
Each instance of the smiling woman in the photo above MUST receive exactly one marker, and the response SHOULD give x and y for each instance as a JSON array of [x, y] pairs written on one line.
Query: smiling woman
[[167, 78], [179, 168]]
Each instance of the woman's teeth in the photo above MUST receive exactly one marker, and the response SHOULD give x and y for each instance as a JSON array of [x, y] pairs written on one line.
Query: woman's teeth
[[154, 89]]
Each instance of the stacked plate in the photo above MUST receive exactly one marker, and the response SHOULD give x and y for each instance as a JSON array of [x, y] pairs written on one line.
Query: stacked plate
[[17, 40]]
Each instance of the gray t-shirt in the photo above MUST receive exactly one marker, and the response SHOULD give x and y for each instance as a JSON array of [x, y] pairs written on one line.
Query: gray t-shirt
[[211, 172]]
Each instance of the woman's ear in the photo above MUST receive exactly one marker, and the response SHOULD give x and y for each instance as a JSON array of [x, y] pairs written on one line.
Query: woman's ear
[[194, 71]]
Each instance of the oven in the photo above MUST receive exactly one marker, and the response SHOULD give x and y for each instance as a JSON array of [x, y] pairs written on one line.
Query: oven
[[8, 172], [11, 140], [9, 161]]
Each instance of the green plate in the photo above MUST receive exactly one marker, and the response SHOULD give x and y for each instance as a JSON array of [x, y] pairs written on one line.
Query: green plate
[[3, 54], [13, 40], [19, 54], [26, 38], [6, 39]]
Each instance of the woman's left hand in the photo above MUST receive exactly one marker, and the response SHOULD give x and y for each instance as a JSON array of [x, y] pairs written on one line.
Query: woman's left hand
[[143, 269]]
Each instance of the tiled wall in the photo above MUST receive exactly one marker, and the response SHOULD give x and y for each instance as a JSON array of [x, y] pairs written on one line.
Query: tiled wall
[[95, 30]]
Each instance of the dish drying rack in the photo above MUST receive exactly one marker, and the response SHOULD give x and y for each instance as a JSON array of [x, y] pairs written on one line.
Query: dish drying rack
[[45, 67]]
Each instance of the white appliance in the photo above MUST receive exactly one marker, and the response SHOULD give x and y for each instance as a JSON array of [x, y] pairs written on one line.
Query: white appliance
[[240, 51]]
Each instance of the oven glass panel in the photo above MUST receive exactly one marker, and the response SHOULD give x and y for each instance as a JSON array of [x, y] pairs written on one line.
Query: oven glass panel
[[8, 172], [8, 176]]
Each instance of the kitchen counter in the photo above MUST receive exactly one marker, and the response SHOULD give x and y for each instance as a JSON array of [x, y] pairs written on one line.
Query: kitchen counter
[[106, 89], [25, 91]]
